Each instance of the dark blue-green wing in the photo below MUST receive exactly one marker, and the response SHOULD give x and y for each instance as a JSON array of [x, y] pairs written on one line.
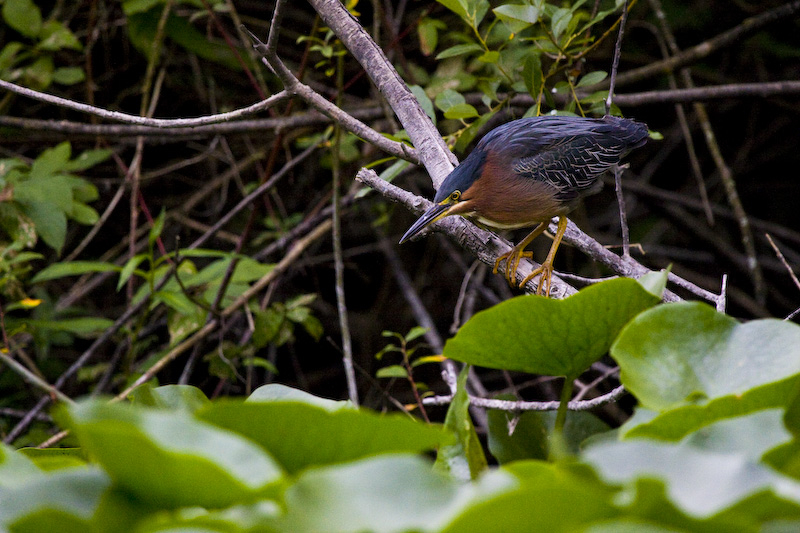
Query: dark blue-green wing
[[569, 153]]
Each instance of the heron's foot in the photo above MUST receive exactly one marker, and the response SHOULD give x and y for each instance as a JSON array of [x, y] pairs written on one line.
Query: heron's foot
[[512, 259], [545, 273]]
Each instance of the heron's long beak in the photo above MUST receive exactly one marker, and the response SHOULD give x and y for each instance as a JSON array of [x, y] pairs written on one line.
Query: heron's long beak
[[429, 217]]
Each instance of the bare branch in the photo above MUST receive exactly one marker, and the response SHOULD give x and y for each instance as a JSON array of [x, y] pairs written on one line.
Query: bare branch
[[433, 152], [144, 121], [509, 405], [314, 99]]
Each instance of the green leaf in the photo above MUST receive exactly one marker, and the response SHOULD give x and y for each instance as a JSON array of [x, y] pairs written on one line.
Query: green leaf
[[55, 36], [458, 50], [676, 423], [559, 21], [142, 29], [546, 498], [55, 458], [300, 435], [130, 268], [23, 16], [53, 191], [591, 78], [448, 98], [424, 102], [87, 159], [39, 74], [72, 268], [528, 440], [749, 435], [459, 7], [518, 17], [169, 458], [15, 468], [792, 416], [689, 354], [157, 227], [415, 333], [51, 161], [600, 15], [389, 493], [83, 214], [51, 224], [655, 282], [277, 392], [260, 362], [491, 56], [313, 327], [170, 397], [428, 31], [71, 494], [268, 324], [68, 75], [700, 483], [392, 371], [177, 301], [184, 322], [552, 337], [131, 7], [464, 459], [247, 270], [82, 327], [82, 190], [8, 56], [707, 358], [460, 111], [532, 75]]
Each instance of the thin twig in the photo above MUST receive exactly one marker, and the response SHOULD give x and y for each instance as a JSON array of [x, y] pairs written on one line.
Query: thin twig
[[338, 260], [615, 63], [143, 120], [783, 261], [623, 216], [509, 405], [32, 378]]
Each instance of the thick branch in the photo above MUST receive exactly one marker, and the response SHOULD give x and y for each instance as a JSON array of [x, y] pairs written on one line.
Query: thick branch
[[433, 152], [487, 246]]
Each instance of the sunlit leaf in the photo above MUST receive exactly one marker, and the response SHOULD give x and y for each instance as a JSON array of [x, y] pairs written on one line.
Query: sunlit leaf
[[168, 457], [552, 337], [300, 435]]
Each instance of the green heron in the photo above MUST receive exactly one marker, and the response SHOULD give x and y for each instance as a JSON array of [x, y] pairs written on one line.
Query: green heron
[[525, 172]]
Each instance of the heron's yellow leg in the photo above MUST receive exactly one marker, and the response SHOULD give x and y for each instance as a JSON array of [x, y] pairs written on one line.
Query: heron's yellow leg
[[515, 255], [546, 269]]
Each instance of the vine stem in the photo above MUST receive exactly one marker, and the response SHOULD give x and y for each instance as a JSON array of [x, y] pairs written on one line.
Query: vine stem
[[561, 414], [338, 255], [558, 447]]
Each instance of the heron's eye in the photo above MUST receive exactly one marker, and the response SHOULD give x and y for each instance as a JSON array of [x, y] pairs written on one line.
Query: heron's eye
[[455, 195]]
